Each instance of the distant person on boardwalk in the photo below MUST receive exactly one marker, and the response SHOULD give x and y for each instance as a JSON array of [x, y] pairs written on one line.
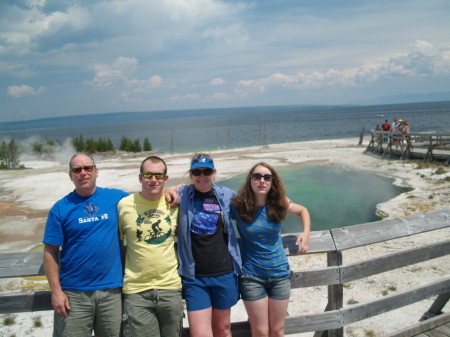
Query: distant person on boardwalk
[[394, 128], [152, 286], [86, 282], [209, 254], [259, 208], [405, 129], [394, 125], [386, 127], [401, 132]]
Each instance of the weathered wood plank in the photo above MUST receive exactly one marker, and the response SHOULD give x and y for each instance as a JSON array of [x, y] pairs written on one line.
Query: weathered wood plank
[[365, 310], [319, 322], [422, 327], [320, 242], [21, 264], [38, 301], [315, 277], [445, 330], [361, 235], [358, 270]]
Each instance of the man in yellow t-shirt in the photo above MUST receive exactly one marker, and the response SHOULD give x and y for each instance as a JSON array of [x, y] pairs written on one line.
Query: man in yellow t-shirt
[[151, 285]]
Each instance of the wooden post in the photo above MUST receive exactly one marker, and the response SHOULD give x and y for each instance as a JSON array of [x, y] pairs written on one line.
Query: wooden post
[[361, 135], [335, 295], [389, 146], [369, 148], [335, 292], [437, 306]]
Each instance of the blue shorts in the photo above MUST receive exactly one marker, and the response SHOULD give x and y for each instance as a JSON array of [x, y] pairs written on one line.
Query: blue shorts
[[219, 292], [254, 288]]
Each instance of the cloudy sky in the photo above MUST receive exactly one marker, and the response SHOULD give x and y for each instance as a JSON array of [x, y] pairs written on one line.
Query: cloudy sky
[[71, 57]]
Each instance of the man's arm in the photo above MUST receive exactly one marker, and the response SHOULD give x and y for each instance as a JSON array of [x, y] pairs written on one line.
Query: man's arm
[[60, 301]]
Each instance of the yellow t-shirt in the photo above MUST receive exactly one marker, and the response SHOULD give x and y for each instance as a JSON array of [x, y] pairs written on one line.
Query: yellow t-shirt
[[148, 228]]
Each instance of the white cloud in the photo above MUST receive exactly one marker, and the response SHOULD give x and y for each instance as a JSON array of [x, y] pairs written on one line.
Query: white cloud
[[118, 71], [20, 90], [120, 75], [422, 60], [217, 81], [144, 85]]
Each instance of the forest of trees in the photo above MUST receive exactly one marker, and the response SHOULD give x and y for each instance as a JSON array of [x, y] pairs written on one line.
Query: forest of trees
[[104, 145]]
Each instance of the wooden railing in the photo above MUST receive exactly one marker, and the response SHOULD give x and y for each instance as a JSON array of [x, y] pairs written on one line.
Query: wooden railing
[[426, 145], [332, 242]]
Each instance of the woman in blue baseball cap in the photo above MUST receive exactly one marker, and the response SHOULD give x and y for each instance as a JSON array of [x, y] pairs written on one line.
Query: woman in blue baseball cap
[[208, 251]]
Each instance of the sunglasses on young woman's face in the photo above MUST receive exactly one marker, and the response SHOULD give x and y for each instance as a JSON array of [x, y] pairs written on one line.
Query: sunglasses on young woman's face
[[205, 172], [78, 170], [149, 175], [258, 176]]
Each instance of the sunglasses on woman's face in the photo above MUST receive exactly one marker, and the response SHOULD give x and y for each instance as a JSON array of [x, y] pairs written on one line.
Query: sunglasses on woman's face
[[205, 172], [258, 176]]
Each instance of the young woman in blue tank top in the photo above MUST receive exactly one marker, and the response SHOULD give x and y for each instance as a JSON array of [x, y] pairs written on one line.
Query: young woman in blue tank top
[[259, 208]]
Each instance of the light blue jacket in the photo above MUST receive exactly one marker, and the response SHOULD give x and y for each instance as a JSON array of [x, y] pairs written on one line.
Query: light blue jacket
[[185, 215]]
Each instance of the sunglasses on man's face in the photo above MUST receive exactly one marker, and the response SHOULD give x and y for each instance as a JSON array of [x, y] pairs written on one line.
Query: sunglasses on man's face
[[78, 170], [206, 172], [258, 176], [149, 175]]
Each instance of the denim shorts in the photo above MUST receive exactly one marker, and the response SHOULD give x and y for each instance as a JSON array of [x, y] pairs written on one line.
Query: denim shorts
[[219, 292], [254, 288]]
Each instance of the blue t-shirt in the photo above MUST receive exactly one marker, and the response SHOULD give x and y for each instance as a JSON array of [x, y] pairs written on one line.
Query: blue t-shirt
[[262, 248], [87, 230]]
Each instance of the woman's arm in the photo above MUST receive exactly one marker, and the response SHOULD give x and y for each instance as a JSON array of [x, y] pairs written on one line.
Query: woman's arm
[[302, 212]]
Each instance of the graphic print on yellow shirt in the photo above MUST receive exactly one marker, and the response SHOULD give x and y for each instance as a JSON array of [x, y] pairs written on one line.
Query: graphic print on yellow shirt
[[151, 224]]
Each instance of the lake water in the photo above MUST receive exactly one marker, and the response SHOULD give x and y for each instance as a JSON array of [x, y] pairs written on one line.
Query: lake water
[[206, 130]]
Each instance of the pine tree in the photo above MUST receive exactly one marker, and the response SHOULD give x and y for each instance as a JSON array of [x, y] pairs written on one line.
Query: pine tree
[[147, 145], [3, 155], [90, 146], [101, 145], [137, 146], [79, 144], [110, 146], [13, 153], [126, 144]]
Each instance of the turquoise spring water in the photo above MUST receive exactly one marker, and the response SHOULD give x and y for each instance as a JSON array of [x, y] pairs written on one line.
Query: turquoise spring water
[[335, 197]]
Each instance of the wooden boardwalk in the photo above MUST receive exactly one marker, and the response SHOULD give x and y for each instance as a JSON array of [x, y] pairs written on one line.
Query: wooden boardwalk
[[428, 146]]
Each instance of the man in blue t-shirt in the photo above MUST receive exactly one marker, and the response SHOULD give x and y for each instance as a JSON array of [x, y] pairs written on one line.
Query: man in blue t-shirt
[[86, 282]]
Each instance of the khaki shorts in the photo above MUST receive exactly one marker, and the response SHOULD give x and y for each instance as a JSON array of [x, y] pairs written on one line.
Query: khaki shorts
[[98, 310], [153, 312]]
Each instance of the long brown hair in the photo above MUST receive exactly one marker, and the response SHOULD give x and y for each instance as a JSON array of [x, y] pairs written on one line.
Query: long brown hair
[[276, 203]]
